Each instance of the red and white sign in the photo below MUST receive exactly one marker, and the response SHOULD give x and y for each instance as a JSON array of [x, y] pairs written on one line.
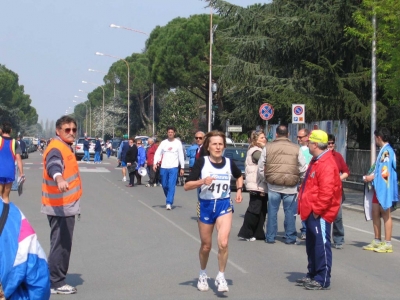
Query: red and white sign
[[266, 111], [298, 113]]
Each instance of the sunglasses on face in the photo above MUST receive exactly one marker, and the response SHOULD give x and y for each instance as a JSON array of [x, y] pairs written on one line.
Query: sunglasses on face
[[300, 137], [198, 137], [331, 143], [68, 130]]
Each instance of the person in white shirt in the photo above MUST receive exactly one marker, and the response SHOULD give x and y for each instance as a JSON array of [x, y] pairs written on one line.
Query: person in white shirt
[[170, 153]]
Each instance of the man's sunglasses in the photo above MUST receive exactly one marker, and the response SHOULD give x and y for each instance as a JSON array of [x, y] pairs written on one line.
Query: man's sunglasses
[[198, 137], [68, 130], [300, 137], [331, 143]]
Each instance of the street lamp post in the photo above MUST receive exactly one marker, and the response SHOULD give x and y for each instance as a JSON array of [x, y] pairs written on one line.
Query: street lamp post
[[86, 120], [90, 110], [127, 64], [142, 32], [210, 85], [103, 102]]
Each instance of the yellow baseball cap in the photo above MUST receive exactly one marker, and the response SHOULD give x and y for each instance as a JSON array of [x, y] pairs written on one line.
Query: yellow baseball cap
[[318, 136]]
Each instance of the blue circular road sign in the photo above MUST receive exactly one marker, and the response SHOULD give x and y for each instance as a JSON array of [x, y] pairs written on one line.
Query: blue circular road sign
[[266, 111]]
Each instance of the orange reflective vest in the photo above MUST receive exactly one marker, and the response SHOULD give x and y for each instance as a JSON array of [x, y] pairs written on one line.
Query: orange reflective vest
[[51, 195]]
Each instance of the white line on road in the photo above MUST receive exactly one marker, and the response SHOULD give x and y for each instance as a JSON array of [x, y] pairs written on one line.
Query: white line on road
[[191, 235], [369, 232]]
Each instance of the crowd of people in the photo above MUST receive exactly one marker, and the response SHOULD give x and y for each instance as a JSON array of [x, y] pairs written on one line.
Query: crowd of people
[[305, 177]]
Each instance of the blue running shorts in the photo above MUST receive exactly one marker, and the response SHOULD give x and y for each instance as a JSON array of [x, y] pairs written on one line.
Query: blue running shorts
[[5, 180], [209, 210]]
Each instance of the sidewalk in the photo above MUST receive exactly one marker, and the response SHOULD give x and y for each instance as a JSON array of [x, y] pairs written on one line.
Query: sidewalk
[[355, 201]]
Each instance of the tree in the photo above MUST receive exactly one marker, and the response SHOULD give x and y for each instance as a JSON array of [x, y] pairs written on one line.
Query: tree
[[180, 109], [15, 104], [388, 48], [179, 54], [295, 52]]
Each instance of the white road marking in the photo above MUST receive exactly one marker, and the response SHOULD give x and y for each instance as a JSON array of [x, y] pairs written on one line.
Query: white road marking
[[28, 163], [369, 232], [96, 170]]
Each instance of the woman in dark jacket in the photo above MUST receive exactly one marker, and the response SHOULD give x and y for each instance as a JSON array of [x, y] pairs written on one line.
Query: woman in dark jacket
[[131, 161]]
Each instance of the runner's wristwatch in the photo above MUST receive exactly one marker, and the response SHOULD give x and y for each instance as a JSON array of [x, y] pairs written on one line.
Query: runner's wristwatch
[[240, 188]]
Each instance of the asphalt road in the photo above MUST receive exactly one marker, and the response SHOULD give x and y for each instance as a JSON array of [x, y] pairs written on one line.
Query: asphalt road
[[127, 246]]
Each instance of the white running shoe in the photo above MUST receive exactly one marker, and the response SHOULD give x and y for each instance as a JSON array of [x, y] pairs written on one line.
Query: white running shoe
[[66, 289], [221, 284], [202, 284], [168, 207], [124, 178]]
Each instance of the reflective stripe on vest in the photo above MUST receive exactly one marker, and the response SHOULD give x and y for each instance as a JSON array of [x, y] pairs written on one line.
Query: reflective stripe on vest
[[51, 195]]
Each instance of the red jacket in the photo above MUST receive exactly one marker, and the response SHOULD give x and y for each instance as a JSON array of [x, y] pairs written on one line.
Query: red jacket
[[150, 154], [321, 192]]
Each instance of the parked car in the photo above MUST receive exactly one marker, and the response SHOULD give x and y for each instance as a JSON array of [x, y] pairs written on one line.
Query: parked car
[[29, 145], [238, 156], [24, 151], [79, 148]]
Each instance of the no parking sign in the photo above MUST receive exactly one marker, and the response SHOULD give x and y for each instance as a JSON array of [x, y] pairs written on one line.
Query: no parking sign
[[298, 113]]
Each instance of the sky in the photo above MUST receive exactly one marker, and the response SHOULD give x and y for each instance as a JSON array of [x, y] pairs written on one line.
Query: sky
[[52, 44]]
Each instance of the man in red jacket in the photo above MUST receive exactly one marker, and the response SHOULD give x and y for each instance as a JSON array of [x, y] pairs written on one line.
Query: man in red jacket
[[319, 202]]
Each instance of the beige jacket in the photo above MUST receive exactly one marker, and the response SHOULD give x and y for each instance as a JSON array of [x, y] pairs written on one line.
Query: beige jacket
[[254, 182]]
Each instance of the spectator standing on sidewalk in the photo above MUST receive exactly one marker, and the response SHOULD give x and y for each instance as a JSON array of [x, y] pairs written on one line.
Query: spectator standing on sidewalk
[[254, 218], [108, 148], [319, 201], [302, 138], [61, 194], [170, 154], [193, 151], [123, 149], [283, 166], [150, 162], [141, 160], [337, 225], [385, 192], [131, 161], [10, 154]]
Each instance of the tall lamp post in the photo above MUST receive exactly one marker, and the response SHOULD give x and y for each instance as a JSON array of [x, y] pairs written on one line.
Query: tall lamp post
[[127, 64], [92, 70], [90, 110], [142, 32], [98, 85], [86, 120]]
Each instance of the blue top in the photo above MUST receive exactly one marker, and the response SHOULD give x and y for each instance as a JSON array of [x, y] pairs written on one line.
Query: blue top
[[385, 177], [85, 145], [141, 157], [124, 149], [97, 147], [191, 153], [7, 158]]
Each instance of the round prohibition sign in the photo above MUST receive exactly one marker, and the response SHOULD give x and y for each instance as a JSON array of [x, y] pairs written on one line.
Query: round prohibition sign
[[298, 110], [266, 111]]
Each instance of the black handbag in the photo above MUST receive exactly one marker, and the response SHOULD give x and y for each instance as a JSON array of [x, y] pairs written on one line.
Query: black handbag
[[132, 167]]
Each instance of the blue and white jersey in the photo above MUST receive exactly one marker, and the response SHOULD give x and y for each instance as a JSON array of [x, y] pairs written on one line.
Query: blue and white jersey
[[220, 188]]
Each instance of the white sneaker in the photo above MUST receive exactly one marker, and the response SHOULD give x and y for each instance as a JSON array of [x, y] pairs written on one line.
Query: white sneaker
[[64, 290], [221, 284], [124, 178], [168, 207], [202, 284]]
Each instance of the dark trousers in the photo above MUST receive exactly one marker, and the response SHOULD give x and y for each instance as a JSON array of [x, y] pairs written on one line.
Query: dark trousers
[[254, 218], [138, 177], [319, 252], [61, 232], [338, 229], [132, 178], [152, 175]]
